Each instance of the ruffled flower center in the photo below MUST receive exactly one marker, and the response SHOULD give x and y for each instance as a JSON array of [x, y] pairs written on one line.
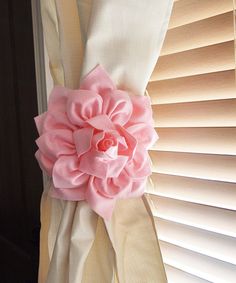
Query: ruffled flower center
[[108, 141]]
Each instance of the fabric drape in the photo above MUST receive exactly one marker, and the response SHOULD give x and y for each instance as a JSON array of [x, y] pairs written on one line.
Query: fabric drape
[[125, 37]]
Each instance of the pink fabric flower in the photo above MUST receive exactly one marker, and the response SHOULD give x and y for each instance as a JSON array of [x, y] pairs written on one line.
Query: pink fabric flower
[[93, 142]]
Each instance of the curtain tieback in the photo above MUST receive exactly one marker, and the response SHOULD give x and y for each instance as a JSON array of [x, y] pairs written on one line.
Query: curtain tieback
[[94, 142]]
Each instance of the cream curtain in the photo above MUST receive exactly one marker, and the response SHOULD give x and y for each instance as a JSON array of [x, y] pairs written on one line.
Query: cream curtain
[[125, 37]]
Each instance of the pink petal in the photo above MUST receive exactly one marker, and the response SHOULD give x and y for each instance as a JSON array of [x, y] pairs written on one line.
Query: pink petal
[[118, 106], [56, 143], [122, 143], [83, 140], [97, 138], [58, 99], [118, 187], [74, 194], [39, 121], [100, 165], [139, 166], [144, 134], [142, 111], [66, 173], [112, 152], [138, 188], [83, 105], [101, 122], [97, 80], [131, 143], [100, 204], [57, 120], [44, 163]]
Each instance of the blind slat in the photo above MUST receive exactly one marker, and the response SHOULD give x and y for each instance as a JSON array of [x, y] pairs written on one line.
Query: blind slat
[[204, 242], [214, 58], [188, 11], [212, 193], [197, 140], [219, 85], [198, 34], [199, 265], [192, 192], [175, 275], [218, 113], [203, 166], [196, 215]]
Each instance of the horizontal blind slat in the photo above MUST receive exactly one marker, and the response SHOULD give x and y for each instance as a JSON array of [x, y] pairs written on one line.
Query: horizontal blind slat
[[206, 192], [197, 140], [198, 34], [218, 113], [218, 220], [214, 58], [192, 192], [219, 85], [204, 242], [199, 265], [188, 11], [203, 166], [175, 275]]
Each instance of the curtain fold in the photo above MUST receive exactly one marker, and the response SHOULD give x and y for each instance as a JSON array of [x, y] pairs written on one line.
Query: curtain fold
[[125, 37], [138, 256]]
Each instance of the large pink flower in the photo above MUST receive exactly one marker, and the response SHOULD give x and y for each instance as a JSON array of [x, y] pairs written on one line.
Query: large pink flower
[[93, 142]]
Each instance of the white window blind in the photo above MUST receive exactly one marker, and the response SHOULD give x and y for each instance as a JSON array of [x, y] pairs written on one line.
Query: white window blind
[[193, 186]]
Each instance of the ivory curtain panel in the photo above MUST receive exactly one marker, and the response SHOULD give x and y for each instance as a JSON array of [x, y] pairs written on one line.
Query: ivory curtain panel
[[125, 37]]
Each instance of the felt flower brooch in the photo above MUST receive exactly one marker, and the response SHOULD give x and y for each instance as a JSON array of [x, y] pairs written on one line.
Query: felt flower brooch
[[93, 142]]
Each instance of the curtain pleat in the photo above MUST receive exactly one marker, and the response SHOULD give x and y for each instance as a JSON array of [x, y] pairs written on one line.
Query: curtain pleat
[[126, 38], [52, 40], [133, 237], [71, 45], [59, 262], [101, 260]]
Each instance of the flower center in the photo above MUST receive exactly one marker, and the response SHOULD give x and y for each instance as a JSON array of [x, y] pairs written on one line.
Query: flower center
[[108, 141]]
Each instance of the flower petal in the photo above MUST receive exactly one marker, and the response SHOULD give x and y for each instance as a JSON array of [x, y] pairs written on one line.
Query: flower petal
[[100, 165], [39, 121], [101, 122], [66, 173], [131, 143], [114, 187], [97, 138], [138, 188], [83, 140], [97, 80], [144, 134], [56, 143], [100, 204], [112, 152], [57, 120], [139, 166], [142, 110], [83, 105], [118, 106], [58, 99], [45, 163]]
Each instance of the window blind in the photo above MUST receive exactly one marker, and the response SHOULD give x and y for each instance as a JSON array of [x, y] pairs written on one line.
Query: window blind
[[192, 191]]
